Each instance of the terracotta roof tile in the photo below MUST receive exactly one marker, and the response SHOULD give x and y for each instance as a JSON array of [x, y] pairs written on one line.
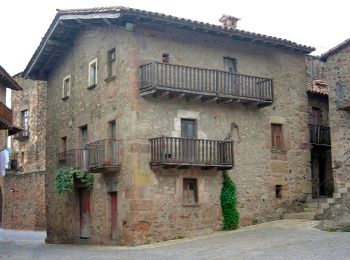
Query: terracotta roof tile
[[318, 87]]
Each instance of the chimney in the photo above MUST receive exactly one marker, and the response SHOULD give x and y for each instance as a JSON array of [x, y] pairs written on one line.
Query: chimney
[[229, 22]]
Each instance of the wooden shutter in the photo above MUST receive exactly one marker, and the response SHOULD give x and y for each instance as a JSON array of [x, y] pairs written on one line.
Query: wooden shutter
[[276, 132]]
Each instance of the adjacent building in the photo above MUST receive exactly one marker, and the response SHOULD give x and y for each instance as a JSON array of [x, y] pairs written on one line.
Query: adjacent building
[[156, 107], [7, 128]]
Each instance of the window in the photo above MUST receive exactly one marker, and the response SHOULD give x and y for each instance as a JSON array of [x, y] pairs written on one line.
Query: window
[[84, 137], [278, 190], [165, 58], [93, 74], [66, 87], [190, 191], [276, 134], [112, 129], [24, 120], [111, 63], [188, 128], [230, 65], [64, 144]]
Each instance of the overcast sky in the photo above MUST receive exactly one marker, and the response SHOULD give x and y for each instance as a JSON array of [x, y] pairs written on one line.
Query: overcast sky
[[321, 24]]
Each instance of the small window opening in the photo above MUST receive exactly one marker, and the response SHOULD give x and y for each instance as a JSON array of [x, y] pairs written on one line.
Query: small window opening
[[111, 62], [165, 58], [276, 136], [190, 195], [278, 190]]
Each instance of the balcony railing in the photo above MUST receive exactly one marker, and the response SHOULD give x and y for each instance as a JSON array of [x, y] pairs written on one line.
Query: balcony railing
[[22, 135], [100, 156], [5, 116], [173, 151], [320, 135], [103, 154], [76, 158], [221, 85]]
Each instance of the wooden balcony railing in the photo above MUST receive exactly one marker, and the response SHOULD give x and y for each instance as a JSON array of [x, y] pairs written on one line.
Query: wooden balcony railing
[[6, 114], [103, 154], [320, 135], [205, 82], [191, 152], [76, 158]]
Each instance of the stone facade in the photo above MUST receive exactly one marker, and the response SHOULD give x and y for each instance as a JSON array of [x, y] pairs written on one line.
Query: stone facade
[[23, 200], [339, 94], [150, 200], [28, 147]]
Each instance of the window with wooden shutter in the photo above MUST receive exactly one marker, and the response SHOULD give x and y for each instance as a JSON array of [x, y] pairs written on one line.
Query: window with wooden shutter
[[276, 134], [190, 195]]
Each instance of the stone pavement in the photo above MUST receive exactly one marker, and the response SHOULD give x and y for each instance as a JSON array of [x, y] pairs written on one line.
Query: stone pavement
[[284, 239]]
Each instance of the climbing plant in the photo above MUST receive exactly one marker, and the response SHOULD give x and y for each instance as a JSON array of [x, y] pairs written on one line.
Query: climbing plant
[[64, 179], [229, 203]]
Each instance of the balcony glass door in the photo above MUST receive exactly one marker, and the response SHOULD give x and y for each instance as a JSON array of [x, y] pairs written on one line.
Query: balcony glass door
[[84, 140]]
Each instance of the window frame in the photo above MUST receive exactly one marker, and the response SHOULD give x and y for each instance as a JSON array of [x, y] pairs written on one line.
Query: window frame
[[92, 84], [66, 90], [274, 142], [110, 62], [186, 188], [25, 119]]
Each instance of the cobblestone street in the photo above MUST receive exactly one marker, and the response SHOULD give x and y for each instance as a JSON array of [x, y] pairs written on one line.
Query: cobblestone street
[[285, 239]]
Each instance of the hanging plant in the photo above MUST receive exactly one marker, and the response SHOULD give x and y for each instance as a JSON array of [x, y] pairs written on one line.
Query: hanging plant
[[65, 177], [229, 203]]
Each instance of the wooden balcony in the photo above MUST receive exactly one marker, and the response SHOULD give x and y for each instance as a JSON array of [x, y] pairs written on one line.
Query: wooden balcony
[[101, 156], [162, 79], [182, 153], [320, 135], [104, 156], [5, 117]]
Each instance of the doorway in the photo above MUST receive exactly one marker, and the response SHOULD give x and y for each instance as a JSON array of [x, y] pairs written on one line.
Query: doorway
[[85, 213], [114, 214]]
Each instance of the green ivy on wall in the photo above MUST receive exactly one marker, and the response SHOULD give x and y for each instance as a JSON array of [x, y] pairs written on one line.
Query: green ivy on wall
[[229, 203], [64, 179]]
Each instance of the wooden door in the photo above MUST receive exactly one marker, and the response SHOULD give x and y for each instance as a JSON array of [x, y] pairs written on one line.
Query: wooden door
[[188, 133], [85, 213], [114, 216], [316, 116]]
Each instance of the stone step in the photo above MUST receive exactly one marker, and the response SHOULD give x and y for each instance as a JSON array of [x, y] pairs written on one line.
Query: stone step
[[316, 205], [347, 185], [320, 211], [337, 195], [310, 209], [330, 200], [301, 215], [343, 190]]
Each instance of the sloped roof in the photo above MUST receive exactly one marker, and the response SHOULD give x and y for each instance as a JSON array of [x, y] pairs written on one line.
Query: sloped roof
[[68, 21], [7, 80], [318, 87], [335, 49]]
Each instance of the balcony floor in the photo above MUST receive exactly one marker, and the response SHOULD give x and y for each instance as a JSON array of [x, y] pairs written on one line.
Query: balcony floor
[[104, 169], [182, 165], [205, 97]]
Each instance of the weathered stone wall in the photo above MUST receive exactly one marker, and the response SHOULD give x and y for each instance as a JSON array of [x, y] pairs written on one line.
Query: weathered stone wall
[[33, 99], [339, 94], [150, 200], [320, 102], [23, 200]]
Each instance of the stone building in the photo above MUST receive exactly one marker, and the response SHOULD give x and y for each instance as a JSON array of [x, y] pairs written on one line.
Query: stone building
[[25, 209], [156, 107], [6, 128], [337, 61], [320, 139]]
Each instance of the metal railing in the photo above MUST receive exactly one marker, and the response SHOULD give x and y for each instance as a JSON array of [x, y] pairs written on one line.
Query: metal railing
[[103, 153], [319, 134], [214, 82], [177, 151], [76, 158]]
